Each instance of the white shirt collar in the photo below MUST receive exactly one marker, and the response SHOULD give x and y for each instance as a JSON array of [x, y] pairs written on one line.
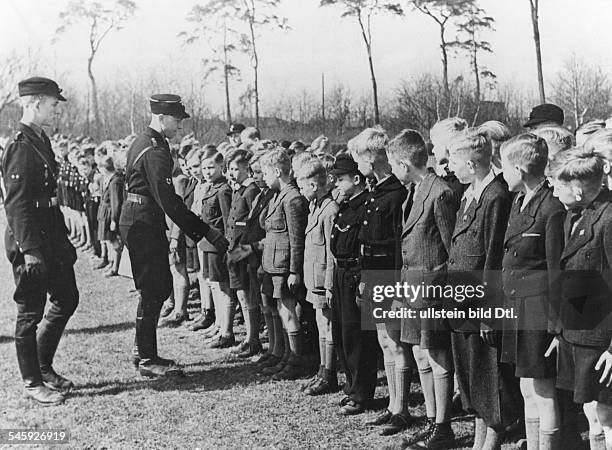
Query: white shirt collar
[[474, 191], [529, 195]]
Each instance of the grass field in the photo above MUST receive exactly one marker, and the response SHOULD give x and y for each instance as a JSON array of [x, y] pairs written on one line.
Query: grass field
[[220, 403]]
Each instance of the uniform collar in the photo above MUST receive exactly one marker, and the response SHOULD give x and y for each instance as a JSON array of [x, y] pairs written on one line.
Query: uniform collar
[[529, 196], [357, 200], [474, 191]]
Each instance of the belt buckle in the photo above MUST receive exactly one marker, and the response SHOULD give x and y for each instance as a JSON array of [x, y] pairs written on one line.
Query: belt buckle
[[36, 204]]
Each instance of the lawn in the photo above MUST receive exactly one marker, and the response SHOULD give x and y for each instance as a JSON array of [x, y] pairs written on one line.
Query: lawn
[[220, 403]]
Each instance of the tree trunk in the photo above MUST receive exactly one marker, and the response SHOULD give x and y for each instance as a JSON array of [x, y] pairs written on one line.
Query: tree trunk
[[476, 69], [444, 61], [536, 39], [94, 96], [228, 111], [374, 89], [255, 63]]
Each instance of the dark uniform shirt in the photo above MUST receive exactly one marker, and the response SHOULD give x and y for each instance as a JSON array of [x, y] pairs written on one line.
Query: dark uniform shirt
[[149, 175], [381, 226], [344, 238], [30, 177]]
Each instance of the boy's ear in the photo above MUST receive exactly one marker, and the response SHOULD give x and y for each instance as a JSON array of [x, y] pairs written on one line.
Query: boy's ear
[[471, 165], [277, 172], [606, 167]]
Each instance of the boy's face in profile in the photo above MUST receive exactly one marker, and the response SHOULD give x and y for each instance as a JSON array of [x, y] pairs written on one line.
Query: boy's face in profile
[[257, 174], [269, 176], [440, 150], [308, 188], [364, 166], [566, 192], [461, 166], [346, 185], [512, 174], [400, 170]]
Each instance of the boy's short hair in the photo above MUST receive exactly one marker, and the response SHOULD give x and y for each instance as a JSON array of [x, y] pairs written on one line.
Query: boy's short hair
[[313, 169], [277, 158], [298, 160], [448, 128], [195, 152], [251, 133], [601, 143], [369, 144], [527, 151], [586, 129], [210, 152], [473, 146], [578, 164], [256, 158], [107, 163], [320, 145], [327, 160], [558, 137], [409, 146], [239, 156], [495, 131]]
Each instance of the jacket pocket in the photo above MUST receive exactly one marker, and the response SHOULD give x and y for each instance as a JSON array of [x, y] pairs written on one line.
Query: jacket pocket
[[280, 258]]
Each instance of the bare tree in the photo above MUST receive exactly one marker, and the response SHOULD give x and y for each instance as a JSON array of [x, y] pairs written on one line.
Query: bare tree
[[101, 19], [582, 89], [206, 21], [473, 24], [443, 12], [362, 11], [535, 9]]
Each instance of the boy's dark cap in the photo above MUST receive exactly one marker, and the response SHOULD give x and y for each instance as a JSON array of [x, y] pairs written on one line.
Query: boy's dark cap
[[168, 105], [345, 164], [546, 112], [40, 86], [235, 128]]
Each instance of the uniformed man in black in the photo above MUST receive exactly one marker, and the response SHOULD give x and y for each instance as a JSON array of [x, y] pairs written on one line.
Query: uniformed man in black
[[356, 347], [37, 244], [150, 196]]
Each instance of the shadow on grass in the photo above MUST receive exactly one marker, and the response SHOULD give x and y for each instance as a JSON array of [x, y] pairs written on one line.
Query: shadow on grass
[[6, 339], [206, 379], [109, 328]]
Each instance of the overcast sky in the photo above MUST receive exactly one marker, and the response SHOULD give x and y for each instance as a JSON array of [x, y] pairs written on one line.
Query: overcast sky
[[319, 41]]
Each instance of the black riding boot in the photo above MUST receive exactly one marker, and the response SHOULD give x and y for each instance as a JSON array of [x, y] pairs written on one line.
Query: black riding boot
[[49, 335], [27, 357]]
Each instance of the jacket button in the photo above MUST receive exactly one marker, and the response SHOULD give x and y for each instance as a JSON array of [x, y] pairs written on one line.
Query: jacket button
[[513, 291], [503, 269], [515, 254], [365, 222], [506, 250], [512, 272], [369, 211]]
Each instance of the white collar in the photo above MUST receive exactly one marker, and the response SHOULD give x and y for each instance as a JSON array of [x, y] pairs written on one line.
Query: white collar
[[474, 191], [528, 196]]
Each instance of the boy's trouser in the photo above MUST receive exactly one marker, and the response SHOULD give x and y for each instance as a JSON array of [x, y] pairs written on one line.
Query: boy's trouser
[[357, 349]]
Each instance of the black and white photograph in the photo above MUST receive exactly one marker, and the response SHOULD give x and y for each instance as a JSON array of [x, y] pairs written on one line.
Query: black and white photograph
[[304, 224]]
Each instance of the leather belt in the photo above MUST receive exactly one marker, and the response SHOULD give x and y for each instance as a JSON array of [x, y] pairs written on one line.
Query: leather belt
[[347, 263], [45, 202], [375, 251], [137, 198]]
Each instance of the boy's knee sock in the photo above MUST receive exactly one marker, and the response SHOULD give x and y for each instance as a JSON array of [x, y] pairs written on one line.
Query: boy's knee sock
[[279, 336], [322, 349], [532, 431], [253, 322], [402, 390], [330, 373], [270, 325], [295, 342], [390, 372], [480, 433], [597, 441], [549, 439]]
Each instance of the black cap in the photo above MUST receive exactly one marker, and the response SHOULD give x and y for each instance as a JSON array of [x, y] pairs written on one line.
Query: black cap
[[345, 164], [546, 112], [40, 86], [235, 128], [168, 105]]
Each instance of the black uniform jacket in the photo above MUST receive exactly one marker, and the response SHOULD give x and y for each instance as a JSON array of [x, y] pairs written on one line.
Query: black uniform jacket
[[150, 175], [30, 174]]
